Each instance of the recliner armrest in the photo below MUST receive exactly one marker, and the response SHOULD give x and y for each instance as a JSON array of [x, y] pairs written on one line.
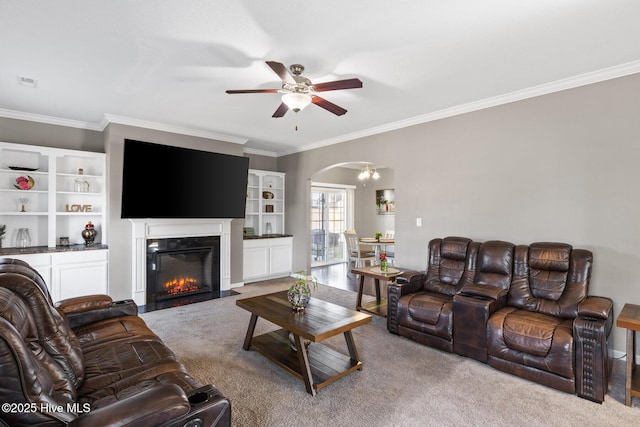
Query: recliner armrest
[[409, 281], [591, 329], [596, 308], [83, 303], [153, 406], [87, 309], [483, 291]]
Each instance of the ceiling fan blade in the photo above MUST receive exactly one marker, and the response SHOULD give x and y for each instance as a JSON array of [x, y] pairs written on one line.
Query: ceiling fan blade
[[253, 91], [329, 106], [281, 111], [338, 84], [282, 72]]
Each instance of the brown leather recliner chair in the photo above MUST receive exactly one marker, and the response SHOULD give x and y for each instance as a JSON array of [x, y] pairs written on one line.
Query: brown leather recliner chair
[[104, 368], [420, 306], [551, 331]]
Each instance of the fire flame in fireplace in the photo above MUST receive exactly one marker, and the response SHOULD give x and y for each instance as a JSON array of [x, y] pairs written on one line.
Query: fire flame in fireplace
[[181, 284]]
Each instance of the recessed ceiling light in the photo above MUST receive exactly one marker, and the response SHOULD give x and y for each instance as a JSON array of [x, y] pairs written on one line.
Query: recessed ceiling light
[[27, 82]]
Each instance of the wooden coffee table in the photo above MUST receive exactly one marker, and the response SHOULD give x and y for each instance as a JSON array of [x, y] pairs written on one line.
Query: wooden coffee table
[[379, 306], [319, 365]]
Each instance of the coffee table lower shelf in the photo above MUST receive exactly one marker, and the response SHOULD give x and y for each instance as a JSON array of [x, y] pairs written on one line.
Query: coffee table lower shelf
[[327, 365]]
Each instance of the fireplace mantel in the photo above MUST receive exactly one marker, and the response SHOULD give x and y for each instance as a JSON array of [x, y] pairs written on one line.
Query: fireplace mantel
[[148, 228]]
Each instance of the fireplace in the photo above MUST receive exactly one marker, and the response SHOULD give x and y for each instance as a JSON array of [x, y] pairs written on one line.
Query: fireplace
[[145, 229], [182, 271]]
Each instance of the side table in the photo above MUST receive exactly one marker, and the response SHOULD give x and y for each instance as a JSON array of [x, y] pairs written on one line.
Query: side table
[[629, 318], [379, 306]]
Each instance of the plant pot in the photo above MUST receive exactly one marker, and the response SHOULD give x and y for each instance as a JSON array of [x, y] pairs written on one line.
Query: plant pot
[[292, 340], [298, 300]]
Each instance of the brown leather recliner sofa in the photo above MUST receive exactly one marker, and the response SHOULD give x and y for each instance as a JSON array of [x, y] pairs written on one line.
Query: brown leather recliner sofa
[[524, 309], [90, 361]]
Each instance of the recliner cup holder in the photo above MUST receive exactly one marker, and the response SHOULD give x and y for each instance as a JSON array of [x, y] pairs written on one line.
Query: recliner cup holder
[[198, 398]]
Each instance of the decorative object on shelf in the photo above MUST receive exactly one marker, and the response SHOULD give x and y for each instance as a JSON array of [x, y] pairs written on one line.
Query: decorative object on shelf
[[378, 235], [306, 343], [24, 182], [268, 208], [23, 204], [78, 208], [23, 239], [384, 266], [300, 292], [22, 168], [89, 234], [268, 229], [64, 240], [267, 195], [81, 185], [368, 173], [3, 229]]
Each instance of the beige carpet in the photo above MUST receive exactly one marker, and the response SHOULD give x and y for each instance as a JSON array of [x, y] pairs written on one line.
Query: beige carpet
[[402, 383]]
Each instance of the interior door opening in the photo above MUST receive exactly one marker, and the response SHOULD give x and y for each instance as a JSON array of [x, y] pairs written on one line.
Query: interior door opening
[[331, 213]]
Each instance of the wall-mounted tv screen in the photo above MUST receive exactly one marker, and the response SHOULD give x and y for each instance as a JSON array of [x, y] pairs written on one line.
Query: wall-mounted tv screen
[[161, 181]]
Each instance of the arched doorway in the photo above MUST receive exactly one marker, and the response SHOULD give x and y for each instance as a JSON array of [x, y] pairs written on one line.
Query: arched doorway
[[340, 201]]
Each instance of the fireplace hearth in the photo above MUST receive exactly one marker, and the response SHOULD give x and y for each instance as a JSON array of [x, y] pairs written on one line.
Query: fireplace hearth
[[182, 271]]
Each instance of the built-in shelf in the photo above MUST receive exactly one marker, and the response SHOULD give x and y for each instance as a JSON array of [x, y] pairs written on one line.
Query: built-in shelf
[[53, 208], [265, 202]]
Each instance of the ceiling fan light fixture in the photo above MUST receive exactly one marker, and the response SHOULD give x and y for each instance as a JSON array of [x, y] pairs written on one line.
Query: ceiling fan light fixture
[[296, 101]]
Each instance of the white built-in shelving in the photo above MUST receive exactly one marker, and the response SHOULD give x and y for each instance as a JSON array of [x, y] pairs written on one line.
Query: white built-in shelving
[[53, 208], [265, 202]]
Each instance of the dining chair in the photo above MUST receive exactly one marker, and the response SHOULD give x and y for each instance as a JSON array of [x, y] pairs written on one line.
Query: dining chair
[[357, 254]]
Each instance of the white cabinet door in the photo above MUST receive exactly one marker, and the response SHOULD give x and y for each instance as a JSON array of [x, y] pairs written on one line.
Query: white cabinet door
[[280, 258], [256, 261], [78, 280], [267, 258], [79, 273]]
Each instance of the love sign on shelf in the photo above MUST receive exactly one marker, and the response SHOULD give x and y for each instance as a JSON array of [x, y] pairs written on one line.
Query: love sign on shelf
[[78, 208]]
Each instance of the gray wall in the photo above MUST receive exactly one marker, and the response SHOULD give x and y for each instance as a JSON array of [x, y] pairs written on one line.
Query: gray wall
[[265, 163], [32, 133], [560, 167]]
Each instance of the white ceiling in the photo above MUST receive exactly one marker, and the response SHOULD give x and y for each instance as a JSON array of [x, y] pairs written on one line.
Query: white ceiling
[[166, 64]]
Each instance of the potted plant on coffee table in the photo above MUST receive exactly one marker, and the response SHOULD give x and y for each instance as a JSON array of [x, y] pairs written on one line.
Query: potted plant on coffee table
[[300, 292]]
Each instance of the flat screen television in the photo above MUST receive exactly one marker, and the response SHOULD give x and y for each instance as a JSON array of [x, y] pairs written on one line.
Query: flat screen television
[[160, 181]]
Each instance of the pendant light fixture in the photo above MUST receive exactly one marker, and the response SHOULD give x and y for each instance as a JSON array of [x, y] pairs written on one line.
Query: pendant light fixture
[[368, 173]]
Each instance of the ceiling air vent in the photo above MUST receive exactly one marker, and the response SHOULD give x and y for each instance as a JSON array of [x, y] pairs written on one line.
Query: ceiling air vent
[[28, 82]]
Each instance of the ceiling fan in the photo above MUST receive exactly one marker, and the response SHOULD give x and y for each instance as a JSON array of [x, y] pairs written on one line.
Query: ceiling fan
[[298, 91]]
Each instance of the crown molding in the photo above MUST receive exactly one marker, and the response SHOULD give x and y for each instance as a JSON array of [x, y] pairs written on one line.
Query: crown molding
[[50, 120], [532, 92], [519, 95], [257, 152], [111, 118]]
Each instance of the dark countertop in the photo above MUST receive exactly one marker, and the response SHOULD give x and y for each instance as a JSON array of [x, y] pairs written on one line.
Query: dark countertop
[[48, 250], [267, 236]]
